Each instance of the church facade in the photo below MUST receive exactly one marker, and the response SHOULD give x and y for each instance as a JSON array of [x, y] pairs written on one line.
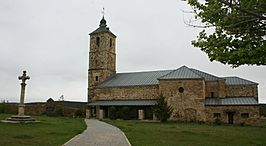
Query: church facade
[[194, 95]]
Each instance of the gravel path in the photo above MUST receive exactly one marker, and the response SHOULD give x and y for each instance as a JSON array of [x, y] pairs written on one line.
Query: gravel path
[[99, 133]]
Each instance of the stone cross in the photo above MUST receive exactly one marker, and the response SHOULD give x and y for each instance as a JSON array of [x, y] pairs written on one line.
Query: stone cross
[[23, 78]]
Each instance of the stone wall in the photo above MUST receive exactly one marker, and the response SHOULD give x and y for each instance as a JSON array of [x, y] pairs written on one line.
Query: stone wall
[[252, 111], [217, 87], [132, 92], [187, 105], [241, 90], [102, 60]]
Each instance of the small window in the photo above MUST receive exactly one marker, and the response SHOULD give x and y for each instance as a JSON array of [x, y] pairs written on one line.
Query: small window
[[245, 115], [217, 115], [181, 90], [96, 78], [212, 94], [111, 42], [98, 41]]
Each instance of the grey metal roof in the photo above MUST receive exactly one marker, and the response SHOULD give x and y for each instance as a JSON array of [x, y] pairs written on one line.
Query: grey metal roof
[[181, 73], [206, 76], [153, 77], [238, 81], [123, 103], [133, 79], [231, 101]]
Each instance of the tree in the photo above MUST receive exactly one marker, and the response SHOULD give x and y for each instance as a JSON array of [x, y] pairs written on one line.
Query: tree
[[162, 110], [239, 35]]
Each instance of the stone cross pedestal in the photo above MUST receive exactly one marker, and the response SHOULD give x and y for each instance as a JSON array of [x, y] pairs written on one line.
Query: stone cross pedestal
[[21, 117], [23, 84]]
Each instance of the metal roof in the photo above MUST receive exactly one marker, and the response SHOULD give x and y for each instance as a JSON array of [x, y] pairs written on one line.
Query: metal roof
[[231, 101], [153, 77], [181, 73], [123, 102], [133, 79], [238, 81], [206, 76]]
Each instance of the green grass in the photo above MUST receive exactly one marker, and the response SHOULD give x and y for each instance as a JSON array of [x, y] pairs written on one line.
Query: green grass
[[190, 134], [51, 131]]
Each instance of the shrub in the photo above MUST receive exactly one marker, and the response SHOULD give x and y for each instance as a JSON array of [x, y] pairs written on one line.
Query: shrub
[[112, 113], [80, 113], [162, 110], [125, 113], [218, 121]]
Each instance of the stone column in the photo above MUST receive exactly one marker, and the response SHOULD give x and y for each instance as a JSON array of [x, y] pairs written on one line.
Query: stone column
[[154, 117], [21, 105], [88, 113], [141, 114], [101, 114], [97, 112]]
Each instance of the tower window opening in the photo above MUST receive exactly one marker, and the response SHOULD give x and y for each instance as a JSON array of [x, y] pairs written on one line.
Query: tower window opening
[[98, 41], [96, 78], [111, 41], [212, 94]]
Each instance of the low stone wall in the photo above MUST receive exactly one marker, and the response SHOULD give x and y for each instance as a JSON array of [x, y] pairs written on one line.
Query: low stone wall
[[214, 113]]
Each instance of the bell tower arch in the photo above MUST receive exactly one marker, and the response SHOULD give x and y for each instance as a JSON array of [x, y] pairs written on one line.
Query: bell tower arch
[[102, 57]]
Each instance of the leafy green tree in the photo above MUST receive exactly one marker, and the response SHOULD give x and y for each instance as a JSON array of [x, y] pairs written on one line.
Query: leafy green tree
[[162, 110], [239, 35]]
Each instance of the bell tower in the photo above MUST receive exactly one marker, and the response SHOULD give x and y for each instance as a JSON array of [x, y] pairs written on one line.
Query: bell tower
[[102, 57]]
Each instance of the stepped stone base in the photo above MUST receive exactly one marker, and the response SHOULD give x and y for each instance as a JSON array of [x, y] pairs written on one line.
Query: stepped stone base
[[20, 119]]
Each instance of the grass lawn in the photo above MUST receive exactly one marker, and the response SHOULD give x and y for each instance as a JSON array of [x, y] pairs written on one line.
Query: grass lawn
[[190, 134], [51, 131]]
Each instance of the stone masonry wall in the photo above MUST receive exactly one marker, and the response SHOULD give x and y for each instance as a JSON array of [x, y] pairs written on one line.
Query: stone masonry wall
[[217, 87], [241, 90], [120, 93], [189, 105], [102, 60], [253, 112]]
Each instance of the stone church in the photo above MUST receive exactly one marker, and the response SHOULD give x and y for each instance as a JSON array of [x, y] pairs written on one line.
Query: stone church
[[194, 94]]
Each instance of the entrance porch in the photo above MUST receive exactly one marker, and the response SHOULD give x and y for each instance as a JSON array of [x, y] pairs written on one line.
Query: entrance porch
[[131, 109]]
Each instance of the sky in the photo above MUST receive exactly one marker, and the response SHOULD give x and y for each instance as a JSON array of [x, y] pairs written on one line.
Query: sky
[[49, 39]]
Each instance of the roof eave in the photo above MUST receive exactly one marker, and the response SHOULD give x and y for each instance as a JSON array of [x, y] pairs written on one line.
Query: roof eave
[[182, 79], [98, 32]]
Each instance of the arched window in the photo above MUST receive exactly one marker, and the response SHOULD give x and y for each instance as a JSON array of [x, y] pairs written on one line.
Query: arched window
[[96, 78], [111, 42], [98, 41]]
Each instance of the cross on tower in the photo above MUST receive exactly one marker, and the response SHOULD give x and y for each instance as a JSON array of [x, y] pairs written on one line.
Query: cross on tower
[[103, 12]]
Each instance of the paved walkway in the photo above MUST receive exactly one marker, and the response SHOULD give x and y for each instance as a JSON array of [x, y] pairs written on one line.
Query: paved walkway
[[99, 134]]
